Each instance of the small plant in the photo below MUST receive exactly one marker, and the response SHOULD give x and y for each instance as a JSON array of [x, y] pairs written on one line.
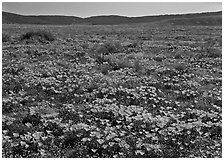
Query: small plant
[[38, 35], [119, 64], [99, 58], [5, 38], [178, 56], [131, 45], [180, 67], [159, 58], [210, 52], [85, 45], [214, 53], [110, 47], [32, 119], [137, 66], [105, 68]]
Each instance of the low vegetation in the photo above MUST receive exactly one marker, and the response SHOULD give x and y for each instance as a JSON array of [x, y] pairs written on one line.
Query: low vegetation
[[128, 91], [40, 36], [5, 38]]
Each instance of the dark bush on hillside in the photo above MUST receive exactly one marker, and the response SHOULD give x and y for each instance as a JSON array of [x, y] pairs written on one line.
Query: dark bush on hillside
[[100, 58], [178, 56], [38, 35], [109, 47], [117, 64], [214, 53], [180, 67], [114, 64], [159, 58], [130, 45], [210, 52], [5, 37], [105, 68], [137, 66], [33, 119]]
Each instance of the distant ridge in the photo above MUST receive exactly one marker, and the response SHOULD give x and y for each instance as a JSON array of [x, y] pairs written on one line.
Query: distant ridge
[[206, 18]]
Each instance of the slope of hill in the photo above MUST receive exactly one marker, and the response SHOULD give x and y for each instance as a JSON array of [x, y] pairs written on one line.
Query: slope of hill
[[55, 20], [146, 19], [208, 18]]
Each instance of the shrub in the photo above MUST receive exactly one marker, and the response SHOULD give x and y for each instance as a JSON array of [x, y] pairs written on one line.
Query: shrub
[[109, 47], [32, 119], [5, 37], [131, 45], [105, 68], [137, 66], [100, 58], [112, 62], [214, 53], [80, 54], [178, 56], [119, 64], [159, 58], [180, 67], [7, 107], [85, 45], [210, 53], [38, 35]]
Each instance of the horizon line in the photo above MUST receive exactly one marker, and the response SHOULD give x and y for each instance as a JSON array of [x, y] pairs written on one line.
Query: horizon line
[[105, 15]]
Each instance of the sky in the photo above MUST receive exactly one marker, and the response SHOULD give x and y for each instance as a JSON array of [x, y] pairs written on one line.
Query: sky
[[130, 9]]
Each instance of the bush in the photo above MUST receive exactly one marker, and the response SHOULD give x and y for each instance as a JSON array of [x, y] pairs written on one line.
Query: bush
[[38, 35], [5, 37], [109, 47], [117, 64], [131, 45], [210, 53], [137, 66], [159, 58], [105, 68], [214, 53], [180, 67], [178, 56]]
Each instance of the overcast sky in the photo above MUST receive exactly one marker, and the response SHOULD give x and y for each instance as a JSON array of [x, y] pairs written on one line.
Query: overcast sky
[[86, 9]]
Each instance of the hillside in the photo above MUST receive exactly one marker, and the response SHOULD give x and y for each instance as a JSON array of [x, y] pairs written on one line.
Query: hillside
[[208, 18], [205, 20], [10, 18]]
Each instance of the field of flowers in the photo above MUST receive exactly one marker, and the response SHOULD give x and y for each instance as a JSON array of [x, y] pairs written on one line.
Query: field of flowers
[[131, 91]]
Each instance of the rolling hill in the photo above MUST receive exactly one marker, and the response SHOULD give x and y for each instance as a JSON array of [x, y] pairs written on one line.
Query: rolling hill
[[207, 18]]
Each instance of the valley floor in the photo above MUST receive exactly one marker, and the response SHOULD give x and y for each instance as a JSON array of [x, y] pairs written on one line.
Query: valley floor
[[138, 90]]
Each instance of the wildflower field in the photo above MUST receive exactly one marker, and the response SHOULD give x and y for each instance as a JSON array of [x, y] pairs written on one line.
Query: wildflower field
[[133, 91]]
